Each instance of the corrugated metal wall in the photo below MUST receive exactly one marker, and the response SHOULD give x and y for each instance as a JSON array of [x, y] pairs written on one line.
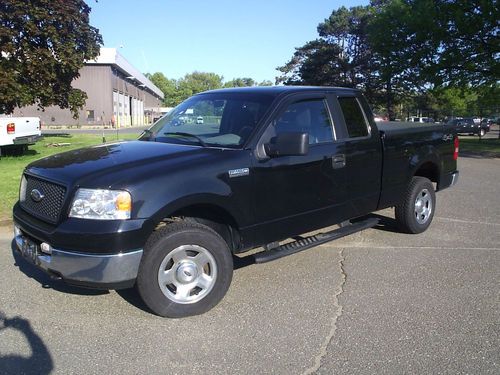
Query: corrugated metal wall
[[113, 100]]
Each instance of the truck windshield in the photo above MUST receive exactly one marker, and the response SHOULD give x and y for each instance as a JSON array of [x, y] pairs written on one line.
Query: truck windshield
[[213, 119]]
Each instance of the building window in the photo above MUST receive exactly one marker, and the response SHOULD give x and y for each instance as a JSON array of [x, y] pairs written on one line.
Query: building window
[[90, 115]]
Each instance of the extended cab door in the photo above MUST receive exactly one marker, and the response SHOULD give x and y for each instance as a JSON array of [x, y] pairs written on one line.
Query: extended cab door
[[362, 148], [296, 194]]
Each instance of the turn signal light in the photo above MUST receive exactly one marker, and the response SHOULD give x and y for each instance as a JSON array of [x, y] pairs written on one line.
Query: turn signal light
[[123, 202], [11, 128], [455, 144]]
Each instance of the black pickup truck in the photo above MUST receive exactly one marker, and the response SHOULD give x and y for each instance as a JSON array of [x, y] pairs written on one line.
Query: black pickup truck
[[225, 172]]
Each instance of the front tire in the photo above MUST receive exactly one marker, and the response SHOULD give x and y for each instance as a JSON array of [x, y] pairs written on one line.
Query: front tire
[[186, 270], [416, 211]]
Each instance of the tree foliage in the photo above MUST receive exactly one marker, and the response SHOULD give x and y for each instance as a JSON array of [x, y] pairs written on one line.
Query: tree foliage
[[176, 91], [442, 41], [400, 49], [340, 56], [196, 82], [43, 44], [167, 86], [240, 82], [246, 82]]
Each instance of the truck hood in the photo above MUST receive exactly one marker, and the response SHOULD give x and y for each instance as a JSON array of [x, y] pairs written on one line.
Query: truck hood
[[73, 167]]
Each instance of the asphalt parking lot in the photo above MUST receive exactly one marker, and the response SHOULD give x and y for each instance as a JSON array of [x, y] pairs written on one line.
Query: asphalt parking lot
[[375, 302]]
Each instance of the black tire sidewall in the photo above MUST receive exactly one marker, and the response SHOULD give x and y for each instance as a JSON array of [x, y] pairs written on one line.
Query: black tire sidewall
[[160, 246], [405, 213]]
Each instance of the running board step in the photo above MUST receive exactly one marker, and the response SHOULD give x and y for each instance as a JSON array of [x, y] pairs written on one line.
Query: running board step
[[317, 239]]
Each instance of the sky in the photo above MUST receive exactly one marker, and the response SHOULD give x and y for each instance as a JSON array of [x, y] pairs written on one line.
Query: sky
[[234, 39]]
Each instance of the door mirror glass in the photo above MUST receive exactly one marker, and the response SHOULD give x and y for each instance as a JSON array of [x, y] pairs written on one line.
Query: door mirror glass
[[288, 144]]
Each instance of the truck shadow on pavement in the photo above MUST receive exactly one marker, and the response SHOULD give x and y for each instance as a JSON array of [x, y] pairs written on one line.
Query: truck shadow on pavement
[[40, 361], [131, 295], [45, 280]]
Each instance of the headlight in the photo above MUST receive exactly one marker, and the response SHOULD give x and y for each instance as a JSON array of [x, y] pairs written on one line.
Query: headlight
[[101, 204]]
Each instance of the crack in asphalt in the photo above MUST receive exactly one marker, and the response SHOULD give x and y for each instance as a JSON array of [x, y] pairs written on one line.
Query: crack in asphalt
[[338, 308]]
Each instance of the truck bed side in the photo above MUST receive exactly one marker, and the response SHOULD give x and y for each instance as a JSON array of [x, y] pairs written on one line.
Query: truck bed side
[[415, 149]]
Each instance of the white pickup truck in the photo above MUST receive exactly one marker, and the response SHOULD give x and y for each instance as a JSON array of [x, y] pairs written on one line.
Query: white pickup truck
[[16, 133]]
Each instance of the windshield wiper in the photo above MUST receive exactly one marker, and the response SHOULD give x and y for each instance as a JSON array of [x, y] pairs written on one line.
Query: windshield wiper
[[200, 141]]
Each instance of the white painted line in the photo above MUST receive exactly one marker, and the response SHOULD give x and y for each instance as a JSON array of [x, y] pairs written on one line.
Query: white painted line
[[466, 221]]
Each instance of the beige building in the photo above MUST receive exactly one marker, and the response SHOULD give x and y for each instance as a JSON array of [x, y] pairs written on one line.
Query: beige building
[[117, 95]]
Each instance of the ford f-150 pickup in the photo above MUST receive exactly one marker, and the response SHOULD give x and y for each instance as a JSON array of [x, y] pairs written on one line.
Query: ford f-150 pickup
[[169, 212]]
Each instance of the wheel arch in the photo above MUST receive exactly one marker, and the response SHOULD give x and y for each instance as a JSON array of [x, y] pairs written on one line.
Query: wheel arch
[[428, 169], [213, 215]]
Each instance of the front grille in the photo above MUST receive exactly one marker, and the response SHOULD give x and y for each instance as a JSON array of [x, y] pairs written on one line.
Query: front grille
[[49, 206]]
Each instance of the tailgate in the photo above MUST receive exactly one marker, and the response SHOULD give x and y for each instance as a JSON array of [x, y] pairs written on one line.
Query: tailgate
[[26, 126]]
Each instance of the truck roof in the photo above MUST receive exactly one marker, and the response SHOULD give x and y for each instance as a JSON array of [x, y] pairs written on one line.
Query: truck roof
[[278, 90]]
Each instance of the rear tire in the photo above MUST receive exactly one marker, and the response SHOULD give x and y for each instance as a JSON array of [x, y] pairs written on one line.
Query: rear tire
[[186, 270], [416, 211]]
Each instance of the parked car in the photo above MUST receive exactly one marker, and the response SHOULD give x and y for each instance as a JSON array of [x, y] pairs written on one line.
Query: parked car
[[469, 126], [486, 123], [17, 133], [420, 119], [167, 213]]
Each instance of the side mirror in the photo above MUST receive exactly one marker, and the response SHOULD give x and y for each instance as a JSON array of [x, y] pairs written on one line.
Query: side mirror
[[288, 144]]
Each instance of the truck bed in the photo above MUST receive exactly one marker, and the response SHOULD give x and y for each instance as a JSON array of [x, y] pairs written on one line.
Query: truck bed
[[397, 127], [406, 145]]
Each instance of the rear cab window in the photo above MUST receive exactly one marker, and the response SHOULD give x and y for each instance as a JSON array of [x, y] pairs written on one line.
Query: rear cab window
[[354, 117]]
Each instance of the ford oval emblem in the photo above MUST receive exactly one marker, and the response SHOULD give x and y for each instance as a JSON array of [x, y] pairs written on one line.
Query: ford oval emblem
[[36, 195]]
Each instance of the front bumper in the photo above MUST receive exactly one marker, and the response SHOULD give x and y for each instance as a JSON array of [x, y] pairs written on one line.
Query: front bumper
[[107, 271], [99, 237]]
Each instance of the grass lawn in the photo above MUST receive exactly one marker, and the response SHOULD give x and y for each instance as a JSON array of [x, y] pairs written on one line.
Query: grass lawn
[[11, 167], [486, 146]]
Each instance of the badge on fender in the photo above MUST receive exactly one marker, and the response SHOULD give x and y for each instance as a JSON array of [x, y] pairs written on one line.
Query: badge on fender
[[239, 172]]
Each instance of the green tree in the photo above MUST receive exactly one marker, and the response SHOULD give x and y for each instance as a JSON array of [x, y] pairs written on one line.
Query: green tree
[[240, 82], [398, 50], [441, 42], [176, 91], [196, 82], [454, 101], [167, 86], [489, 100], [43, 44], [450, 47], [388, 38], [466, 51], [265, 82], [341, 56]]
